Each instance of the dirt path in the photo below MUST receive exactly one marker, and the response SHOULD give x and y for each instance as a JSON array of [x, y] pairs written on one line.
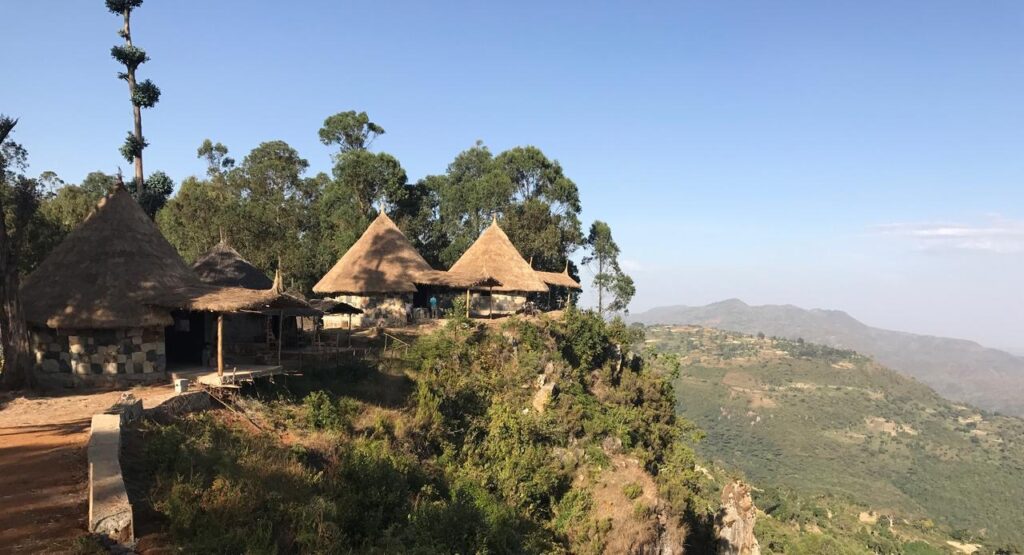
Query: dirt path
[[43, 470]]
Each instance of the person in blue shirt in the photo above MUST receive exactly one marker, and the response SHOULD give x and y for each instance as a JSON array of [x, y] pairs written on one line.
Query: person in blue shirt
[[433, 306]]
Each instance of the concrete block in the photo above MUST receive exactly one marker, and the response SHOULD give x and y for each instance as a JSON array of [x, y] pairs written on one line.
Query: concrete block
[[110, 512]]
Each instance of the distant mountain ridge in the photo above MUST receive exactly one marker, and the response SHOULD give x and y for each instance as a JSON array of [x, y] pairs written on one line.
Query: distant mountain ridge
[[958, 369]]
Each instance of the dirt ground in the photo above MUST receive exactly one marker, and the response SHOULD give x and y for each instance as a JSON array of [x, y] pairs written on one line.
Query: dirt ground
[[43, 469]]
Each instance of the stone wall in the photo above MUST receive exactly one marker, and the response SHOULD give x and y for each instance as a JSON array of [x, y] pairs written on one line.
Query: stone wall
[[500, 303], [378, 310], [88, 353]]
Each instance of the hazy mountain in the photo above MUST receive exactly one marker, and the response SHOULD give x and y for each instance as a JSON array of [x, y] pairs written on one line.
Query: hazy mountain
[[823, 421], [960, 370]]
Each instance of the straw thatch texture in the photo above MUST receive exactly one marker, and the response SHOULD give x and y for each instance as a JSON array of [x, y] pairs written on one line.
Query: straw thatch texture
[[328, 306], [494, 257], [558, 279], [233, 299], [384, 261], [222, 265], [109, 273], [117, 271]]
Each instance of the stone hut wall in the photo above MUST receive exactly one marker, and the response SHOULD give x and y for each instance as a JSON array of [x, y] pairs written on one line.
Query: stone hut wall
[[129, 352], [378, 310], [499, 303]]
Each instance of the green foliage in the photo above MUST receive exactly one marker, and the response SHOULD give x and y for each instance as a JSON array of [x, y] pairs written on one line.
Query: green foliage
[[814, 420], [133, 147], [145, 94], [216, 156], [263, 207], [350, 131], [120, 6], [129, 56], [632, 490], [538, 204], [153, 194], [615, 289], [325, 413]]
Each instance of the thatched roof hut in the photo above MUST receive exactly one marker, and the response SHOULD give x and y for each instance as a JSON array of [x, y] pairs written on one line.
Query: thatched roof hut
[[559, 279], [222, 265], [493, 256], [116, 270], [384, 261]]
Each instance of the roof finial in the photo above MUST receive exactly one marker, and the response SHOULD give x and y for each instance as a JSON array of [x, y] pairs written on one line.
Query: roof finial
[[531, 261], [494, 218], [278, 286], [223, 236], [119, 185], [566, 270]]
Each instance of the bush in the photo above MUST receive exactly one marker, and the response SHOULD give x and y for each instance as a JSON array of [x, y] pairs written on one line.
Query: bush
[[324, 413]]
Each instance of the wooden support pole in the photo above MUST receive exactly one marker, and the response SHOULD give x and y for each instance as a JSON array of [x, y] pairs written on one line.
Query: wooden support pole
[[350, 330], [468, 302], [220, 345], [280, 335]]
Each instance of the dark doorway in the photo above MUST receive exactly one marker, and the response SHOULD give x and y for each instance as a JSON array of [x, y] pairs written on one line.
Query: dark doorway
[[186, 338]]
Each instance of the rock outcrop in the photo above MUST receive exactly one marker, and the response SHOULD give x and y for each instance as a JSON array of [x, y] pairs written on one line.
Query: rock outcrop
[[734, 525]]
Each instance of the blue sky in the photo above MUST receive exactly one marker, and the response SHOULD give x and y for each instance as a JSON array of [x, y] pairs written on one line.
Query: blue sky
[[864, 156]]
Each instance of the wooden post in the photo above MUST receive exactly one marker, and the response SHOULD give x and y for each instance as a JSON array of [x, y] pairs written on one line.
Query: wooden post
[[220, 345], [350, 330], [280, 335], [468, 302]]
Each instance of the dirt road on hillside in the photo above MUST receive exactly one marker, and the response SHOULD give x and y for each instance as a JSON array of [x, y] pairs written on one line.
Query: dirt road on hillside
[[43, 469]]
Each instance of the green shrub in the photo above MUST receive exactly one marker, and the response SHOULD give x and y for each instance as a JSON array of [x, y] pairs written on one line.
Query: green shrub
[[324, 413], [632, 490]]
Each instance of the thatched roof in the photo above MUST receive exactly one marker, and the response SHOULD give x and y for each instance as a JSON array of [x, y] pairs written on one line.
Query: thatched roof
[[559, 279], [384, 261], [116, 270], [222, 265], [328, 306], [493, 256]]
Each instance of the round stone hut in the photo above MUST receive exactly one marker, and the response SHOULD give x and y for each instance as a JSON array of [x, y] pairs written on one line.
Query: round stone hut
[[383, 275], [493, 256], [104, 302]]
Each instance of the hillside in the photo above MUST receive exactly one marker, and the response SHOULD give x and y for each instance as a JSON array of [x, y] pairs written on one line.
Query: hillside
[[523, 436], [821, 421], [960, 370]]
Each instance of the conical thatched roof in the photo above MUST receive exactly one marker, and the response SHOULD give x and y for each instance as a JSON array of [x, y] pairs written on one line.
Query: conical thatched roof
[[494, 256], [116, 270], [384, 261], [222, 265]]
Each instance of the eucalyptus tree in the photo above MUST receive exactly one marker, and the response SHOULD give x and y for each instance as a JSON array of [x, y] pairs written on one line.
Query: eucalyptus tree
[[537, 203], [142, 94], [615, 289], [14, 344], [365, 182]]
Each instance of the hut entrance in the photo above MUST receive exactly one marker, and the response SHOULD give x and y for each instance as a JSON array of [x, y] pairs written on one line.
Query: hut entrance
[[186, 338]]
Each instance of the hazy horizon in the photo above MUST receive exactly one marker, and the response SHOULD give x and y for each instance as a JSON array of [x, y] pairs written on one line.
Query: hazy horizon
[[826, 155]]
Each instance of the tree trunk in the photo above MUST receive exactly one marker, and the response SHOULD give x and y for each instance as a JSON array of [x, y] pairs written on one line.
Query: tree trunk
[[136, 110], [17, 361], [600, 287]]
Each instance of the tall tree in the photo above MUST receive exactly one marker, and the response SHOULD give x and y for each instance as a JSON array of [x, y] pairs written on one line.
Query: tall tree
[[264, 206], [16, 359], [143, 94], [350, 131], [365, 182], [538, 204], [615, 289]]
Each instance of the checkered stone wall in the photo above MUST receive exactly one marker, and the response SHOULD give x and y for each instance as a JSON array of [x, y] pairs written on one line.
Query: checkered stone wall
[[99, 352]]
